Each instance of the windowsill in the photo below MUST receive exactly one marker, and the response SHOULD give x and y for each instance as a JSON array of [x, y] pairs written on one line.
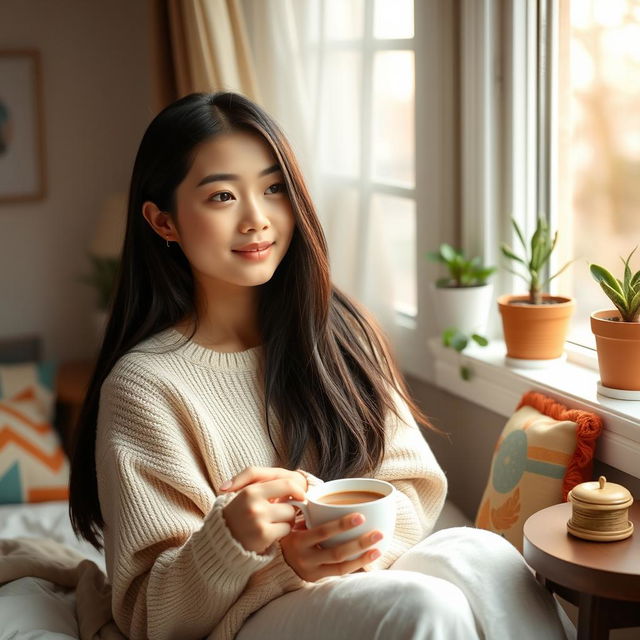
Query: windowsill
[[497, 387]]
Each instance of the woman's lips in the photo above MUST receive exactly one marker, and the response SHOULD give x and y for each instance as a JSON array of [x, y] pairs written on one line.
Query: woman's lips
[[254, 255]]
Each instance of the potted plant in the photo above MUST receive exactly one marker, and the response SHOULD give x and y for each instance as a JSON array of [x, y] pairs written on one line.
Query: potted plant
[[535, 325], [102, 278], [617, 333], [462, 299]]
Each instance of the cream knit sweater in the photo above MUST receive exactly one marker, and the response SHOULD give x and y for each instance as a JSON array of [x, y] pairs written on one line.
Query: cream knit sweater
[[173, 425]]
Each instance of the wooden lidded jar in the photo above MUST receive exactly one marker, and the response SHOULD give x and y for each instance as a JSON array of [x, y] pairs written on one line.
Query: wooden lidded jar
[[600, 511]]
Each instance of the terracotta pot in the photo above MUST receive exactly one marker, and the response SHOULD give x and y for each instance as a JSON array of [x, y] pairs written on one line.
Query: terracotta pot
[[618, 345], [465, 308], [535, 331]]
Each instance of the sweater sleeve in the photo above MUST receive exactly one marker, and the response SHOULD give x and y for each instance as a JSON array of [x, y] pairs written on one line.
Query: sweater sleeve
[[411, 467], [174, 566]]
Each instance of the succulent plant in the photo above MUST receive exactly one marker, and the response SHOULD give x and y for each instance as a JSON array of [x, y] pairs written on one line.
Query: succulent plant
[[625, 293], [463, 272], [536, 256]]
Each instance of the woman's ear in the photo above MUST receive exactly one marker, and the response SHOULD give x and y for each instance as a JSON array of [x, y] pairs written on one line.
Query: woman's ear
[[160, 222]]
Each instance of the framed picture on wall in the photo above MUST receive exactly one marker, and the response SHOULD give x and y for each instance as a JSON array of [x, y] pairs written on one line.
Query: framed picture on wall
[[22, 158]]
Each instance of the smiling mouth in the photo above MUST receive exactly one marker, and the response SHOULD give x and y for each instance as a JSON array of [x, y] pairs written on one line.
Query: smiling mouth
[[256, 250], [255, 255]]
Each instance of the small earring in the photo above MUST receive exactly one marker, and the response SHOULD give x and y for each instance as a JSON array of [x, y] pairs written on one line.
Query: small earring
[[168, 245]]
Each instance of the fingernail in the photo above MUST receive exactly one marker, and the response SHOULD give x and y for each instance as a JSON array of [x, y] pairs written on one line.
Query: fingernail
[[376, 536], [357, 519], [374, 554], [225, 485]]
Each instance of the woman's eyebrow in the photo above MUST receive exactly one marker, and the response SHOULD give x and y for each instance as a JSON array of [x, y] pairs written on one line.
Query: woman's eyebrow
[[233, 176]]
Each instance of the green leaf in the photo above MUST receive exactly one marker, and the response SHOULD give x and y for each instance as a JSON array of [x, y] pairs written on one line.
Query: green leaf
[[600, 275], [515, 273], [507, 252], [519, 234], [447, 336], [616, 298], [634, 308], [478, 339], [626, 286], [545, 255], [465, 372], [537, 240], [482, 275], [557, 273], [448, 253], [635, 281], [434, 256]]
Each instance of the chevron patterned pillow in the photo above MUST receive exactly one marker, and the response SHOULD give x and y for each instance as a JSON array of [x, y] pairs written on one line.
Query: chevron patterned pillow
[[36, 376], [33, 466]]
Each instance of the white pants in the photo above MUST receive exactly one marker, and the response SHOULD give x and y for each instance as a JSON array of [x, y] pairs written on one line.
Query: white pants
[[457, 584]]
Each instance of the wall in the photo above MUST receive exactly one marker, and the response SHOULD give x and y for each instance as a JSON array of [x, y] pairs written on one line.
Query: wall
[[97, 102]]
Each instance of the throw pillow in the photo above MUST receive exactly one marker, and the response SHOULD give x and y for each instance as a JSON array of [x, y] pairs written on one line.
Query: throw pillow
[[545, 449], [33, 466], [37, 376]]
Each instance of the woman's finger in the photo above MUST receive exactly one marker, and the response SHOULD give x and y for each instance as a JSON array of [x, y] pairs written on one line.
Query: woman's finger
[[250, 475], [278, 530], [280, 512], [332, 528], [278, 489], [349, 566], [340, 553]]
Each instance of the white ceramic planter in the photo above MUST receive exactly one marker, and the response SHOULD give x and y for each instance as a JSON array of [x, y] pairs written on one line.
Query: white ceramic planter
[[465, 308]]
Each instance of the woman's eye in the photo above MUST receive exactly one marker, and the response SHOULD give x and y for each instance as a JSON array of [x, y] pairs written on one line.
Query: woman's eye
[[277, 188], [223, 196]]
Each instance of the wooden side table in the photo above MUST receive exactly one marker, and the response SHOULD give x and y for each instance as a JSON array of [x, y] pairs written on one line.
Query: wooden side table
[[601, 578], [72, 383]]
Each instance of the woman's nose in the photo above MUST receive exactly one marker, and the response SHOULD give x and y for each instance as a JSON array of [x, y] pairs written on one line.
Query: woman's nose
[[253, 218]]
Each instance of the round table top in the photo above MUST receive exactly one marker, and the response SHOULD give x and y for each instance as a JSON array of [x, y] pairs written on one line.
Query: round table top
[[606, 569]]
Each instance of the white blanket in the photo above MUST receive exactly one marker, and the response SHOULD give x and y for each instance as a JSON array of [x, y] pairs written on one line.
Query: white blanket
[[41, 565]]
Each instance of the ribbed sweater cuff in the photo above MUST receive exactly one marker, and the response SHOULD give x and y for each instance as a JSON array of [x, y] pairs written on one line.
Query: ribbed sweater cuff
[[221, 556]]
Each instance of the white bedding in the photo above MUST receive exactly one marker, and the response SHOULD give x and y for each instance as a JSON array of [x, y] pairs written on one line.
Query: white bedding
[[33, 608]]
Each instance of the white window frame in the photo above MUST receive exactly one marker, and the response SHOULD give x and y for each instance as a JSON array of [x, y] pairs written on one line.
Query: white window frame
[[436, 179]]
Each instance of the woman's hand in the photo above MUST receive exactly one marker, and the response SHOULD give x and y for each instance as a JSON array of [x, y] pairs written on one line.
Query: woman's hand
[[303, 553], [256, 517], [251, 475]]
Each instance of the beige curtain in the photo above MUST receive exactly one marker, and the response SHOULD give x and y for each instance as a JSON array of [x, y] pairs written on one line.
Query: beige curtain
[[200, 45]]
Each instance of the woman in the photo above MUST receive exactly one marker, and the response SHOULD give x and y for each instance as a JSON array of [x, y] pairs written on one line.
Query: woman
[[233, 375]]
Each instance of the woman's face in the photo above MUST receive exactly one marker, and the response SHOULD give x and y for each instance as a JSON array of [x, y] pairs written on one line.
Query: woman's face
[[232, 202]]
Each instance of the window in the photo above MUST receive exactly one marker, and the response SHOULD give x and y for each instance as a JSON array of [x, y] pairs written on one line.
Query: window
[[365, 136], [595, 145]]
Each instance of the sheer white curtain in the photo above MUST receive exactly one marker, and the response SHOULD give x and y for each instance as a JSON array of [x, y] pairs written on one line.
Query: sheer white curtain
[[305, 89]]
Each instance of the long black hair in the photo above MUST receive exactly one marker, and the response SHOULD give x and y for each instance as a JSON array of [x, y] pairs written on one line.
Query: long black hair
[[327, 369]]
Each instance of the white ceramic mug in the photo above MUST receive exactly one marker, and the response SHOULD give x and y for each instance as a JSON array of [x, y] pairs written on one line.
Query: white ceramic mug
[[379, 514]]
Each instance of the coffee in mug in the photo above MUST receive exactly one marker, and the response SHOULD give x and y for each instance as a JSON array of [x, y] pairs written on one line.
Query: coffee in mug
[[374, 499], [350, 497]]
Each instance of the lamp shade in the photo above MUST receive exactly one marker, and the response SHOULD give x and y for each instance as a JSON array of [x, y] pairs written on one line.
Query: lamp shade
[[109, 234]]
